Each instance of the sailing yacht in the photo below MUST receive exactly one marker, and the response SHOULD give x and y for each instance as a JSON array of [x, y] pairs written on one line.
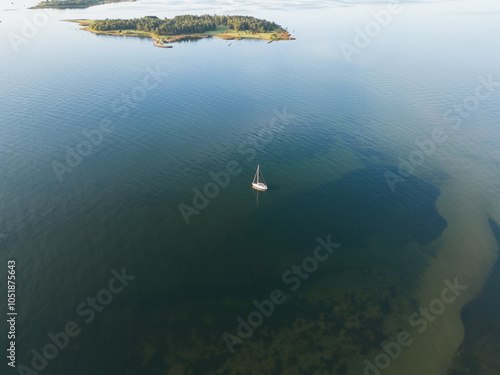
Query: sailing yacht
[[258, 181]]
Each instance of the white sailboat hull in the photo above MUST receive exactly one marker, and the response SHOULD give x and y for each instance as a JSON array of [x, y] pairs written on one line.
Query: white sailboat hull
[[259, 186]]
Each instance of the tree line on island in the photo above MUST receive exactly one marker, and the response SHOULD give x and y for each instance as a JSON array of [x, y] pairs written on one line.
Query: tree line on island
[[74, 3], [187, 24]]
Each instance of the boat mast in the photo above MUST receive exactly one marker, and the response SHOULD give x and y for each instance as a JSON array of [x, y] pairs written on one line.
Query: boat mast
[[257, 174]]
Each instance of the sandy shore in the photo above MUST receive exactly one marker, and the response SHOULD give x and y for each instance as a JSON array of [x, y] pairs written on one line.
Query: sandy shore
[[466, 251]]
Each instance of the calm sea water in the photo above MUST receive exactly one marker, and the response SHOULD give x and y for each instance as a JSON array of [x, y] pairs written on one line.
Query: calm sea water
[[327, 133]]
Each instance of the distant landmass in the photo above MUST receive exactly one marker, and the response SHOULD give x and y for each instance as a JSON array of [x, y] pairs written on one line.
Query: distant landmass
[[75, 3], [189, 27]]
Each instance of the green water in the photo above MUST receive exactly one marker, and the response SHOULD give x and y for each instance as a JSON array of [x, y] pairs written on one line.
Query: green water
[[326, 133]]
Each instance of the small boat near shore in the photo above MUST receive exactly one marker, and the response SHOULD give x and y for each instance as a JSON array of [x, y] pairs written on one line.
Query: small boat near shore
[[258, 181]]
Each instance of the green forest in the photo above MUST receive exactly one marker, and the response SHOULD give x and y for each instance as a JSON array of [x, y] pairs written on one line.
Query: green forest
[[187, 24], [74, 3]]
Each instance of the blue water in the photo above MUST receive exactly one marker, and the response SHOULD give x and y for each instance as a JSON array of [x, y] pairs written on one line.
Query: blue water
[[208, 104]]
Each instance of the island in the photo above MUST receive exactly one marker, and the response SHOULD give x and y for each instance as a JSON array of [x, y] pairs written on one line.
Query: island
[[67, 4], [188, 27]]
